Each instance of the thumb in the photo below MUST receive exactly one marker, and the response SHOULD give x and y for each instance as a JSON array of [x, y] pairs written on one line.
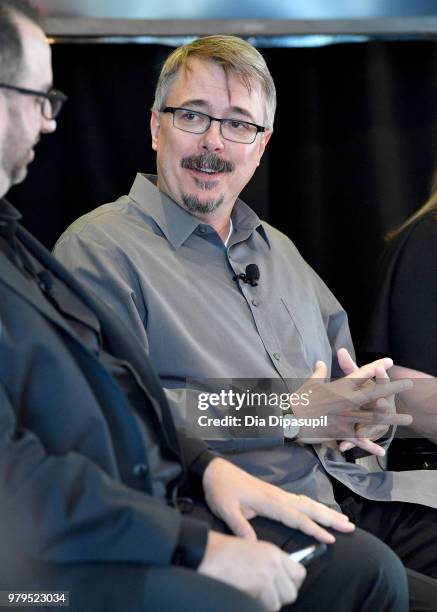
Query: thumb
[[345, 361], [345, 446], [238, 524], [320, 370]]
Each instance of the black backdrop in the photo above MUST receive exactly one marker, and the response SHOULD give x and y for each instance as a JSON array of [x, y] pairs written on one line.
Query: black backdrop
[[351, 156]]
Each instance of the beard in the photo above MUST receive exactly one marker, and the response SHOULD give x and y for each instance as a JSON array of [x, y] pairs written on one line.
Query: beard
[[16, 156], [14, 169], [4, 181], [193, 203], [18, 173], [204, 207], [11, 173]]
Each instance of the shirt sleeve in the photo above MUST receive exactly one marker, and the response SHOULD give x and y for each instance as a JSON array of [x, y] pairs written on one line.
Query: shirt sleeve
[[102, 268], [336, 323]]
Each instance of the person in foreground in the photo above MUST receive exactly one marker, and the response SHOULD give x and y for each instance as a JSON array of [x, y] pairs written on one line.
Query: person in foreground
[[173, 259], [93, 474]]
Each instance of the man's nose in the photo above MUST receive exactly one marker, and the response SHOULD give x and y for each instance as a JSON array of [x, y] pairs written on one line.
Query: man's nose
[[47, 125], [212, 140]]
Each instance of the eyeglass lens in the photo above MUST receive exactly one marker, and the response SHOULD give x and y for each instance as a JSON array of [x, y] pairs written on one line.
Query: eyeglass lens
[[231, 129]]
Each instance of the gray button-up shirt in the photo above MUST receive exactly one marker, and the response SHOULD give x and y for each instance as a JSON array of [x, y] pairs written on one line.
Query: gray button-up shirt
[[170, 277]]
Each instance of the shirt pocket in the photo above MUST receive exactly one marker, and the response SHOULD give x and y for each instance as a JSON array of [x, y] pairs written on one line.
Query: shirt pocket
[[309, 334]]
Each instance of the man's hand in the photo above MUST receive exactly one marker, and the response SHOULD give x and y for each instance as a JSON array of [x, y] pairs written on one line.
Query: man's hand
[[367, 433], [235, 496], [260, 569], [355, 400]]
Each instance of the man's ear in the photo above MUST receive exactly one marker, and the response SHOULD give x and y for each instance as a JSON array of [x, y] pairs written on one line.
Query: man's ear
[[154, 129], [263, 143]]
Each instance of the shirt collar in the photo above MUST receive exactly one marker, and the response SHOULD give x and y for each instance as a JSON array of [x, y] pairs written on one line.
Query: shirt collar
[[176, 223], [8, 218], [8, 212]]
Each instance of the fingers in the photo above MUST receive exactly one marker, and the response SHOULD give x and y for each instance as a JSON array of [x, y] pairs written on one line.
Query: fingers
[[298, 520], [369, 370], [370, 447], [322, 514], [345, 361], [320, 370], [260, 569], [237, 522], [384, 405], [284, 509], [269, 596], [381, 374], [295, 571], [363, 443], [284, 579], [385, 388], [289, 580], [303, 513], [285, 587], [368, 417], [346, 445]]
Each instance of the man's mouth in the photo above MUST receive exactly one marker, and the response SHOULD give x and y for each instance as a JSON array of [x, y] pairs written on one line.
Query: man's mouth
[[207, 170], [208, 164]]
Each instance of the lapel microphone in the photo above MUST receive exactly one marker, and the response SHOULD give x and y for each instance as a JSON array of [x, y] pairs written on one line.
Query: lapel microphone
[[250, 276]]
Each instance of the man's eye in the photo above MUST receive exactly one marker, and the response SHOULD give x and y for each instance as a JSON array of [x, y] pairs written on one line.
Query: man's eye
[[190, 117], [238, 125]]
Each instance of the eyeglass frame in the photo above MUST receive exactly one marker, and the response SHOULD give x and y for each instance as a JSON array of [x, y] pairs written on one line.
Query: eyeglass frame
[[46, 95], [173, 109]]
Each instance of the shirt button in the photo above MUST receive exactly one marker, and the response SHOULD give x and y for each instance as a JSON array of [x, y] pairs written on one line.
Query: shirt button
[[202, 230], [255, 302], [140, 470], [277, 356]]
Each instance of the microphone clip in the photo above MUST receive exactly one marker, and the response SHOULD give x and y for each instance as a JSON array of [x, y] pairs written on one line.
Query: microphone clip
[[250, 276], [243, 277]]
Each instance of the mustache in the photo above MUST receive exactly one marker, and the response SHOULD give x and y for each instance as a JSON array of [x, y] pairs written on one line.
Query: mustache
[[208, 161]]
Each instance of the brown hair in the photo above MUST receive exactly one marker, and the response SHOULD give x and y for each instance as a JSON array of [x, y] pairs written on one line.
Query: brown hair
[[235, 55], [430, 204]]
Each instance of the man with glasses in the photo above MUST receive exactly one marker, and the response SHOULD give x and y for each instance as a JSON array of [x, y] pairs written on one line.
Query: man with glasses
[[91, 464], [52, 101], [33, 112], [214, 293]]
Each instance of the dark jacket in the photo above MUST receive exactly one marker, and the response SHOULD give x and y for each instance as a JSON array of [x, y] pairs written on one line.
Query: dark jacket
[[73, 469], [404, 320]]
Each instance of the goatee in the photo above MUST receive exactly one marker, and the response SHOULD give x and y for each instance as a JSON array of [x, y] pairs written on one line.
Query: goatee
[[204, 207], [206, 161]]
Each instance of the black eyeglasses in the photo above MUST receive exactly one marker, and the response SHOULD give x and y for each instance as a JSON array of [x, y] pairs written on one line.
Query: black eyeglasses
[[195, 122], [51, 101]]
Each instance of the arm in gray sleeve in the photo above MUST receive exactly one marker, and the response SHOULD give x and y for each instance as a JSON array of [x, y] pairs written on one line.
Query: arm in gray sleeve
[[103, 269], [336, 322]]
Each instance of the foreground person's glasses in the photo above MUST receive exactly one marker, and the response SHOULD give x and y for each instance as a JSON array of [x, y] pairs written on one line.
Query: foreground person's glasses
[[51, 101]]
